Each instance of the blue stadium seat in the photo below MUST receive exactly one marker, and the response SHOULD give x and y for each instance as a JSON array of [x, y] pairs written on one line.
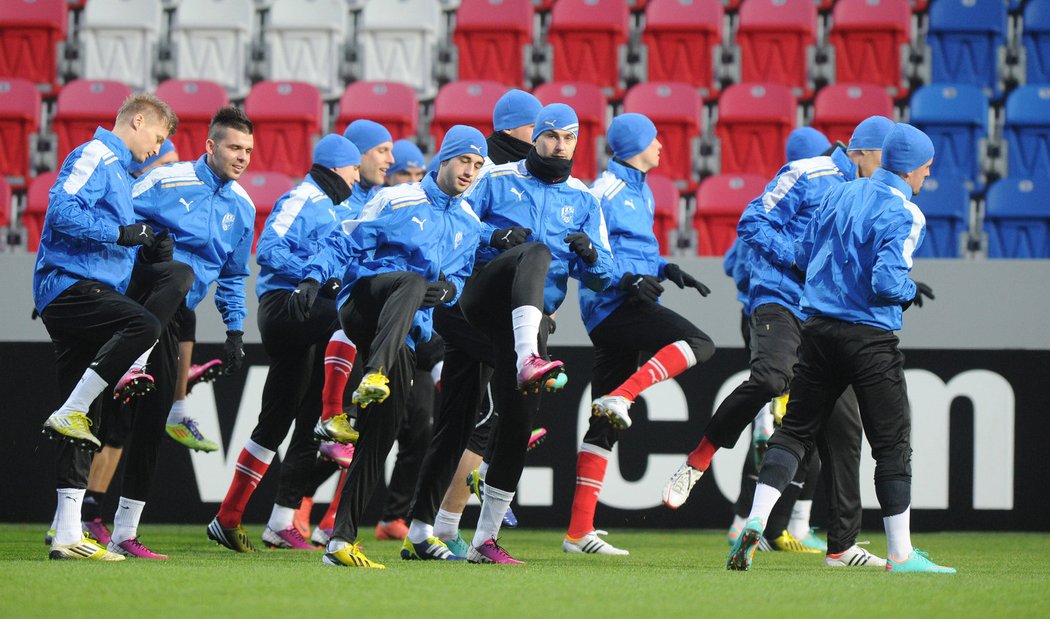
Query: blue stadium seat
[[1017, 219], [965, 39], [1035, 38], [955, 116], [1027, 131], [946, 204]]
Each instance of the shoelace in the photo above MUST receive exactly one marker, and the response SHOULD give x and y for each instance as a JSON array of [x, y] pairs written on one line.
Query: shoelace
[[191, 425], [296, 535], [503, 554], [137, 545]]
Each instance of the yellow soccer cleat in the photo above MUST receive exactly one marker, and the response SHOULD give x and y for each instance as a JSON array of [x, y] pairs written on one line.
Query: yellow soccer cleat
[[789, 543], [72, 426], [779, 408], [84, 550], [350, 556], [373, 389], [337, 429]]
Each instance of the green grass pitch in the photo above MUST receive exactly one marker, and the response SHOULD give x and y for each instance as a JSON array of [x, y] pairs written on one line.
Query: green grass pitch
[[680, 574]]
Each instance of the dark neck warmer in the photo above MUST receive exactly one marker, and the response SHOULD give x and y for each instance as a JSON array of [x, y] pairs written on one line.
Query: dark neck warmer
[[504, 149], [330, 183], [548, 169]]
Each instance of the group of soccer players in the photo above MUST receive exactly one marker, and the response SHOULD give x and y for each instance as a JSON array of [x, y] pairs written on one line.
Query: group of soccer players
[[377, 273]]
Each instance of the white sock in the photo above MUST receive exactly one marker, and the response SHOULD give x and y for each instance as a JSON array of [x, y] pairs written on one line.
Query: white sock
[[140, 363], [492, 509], [177, 412], [337, 544], [798, 526], [435, 372], [88, 388], [419, 531], [738, 523], [898, 535], [126, 522], [259, 452], [67, 516], [762, 505], [526, 320], [54, 520], [280, 517], [446, 524], [483, 470]]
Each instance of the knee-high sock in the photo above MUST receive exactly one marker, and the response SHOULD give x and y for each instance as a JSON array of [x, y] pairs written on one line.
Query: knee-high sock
[[668, 362], [526, 320], [67, 516], [328, 520], [126, 521], [590, 474], [339, 358], [88, 388], [252, 463], [492, 509]]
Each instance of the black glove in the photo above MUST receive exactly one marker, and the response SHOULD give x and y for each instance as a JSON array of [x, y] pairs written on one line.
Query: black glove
[[505, 238], [302, 299], [330, 289], [438, 292], [232, 352], [551, 325], [163, 249], [135, 234], [642, 287], [921, 289], [680, 278], [581, 244]]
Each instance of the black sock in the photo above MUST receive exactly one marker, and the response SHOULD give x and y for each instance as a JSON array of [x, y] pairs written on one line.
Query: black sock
[[91, 508]]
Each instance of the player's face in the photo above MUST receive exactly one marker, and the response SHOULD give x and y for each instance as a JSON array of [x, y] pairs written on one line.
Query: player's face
[[457, 173], [523, 133], [650, 157], [230, 153], [148, 137], [350, 173], [408, 175], [867, 161], [375, 162], [915, 178], [556, 143]]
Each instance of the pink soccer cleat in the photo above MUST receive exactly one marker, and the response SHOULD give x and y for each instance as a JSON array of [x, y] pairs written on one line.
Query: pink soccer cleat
[[491, 552], [133, 384], [134, 549], [204, 373], [339, 453], [536, 371], [289, 538], [96, 530]]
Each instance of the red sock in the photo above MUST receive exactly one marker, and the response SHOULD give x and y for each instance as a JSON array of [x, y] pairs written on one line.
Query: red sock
[[590, 473], [339, 358], [328, 521], [249, 472], [668, 362], [700, 458]]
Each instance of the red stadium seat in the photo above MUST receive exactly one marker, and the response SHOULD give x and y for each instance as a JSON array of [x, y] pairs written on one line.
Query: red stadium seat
[[30, 34], [195, 102], [84, 105], [465, 103], [682, 42], [674, 107], [867, 36], [667, 209], [264, 188], [391, 104], [838, 108], [5, 203], [586, 37], [287, 118], [491, 37], [775, 38], [754, 121], [19, 118], [36, 208], [720, 200], [591, 108]]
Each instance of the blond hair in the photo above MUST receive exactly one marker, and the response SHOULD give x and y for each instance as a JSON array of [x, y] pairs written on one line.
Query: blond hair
[[148, 105]]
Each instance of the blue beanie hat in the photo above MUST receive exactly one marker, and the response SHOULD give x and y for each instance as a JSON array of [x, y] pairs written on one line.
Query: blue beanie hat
[[406, 155], [514, 109], [137, 167], [630, 134], [870, 133], [556, 116], [805, 142], [367, 134], [461, 139], [905, 149], [335, 151]]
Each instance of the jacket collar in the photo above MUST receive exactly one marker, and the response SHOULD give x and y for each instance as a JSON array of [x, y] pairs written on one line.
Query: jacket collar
[[115, 144], [626, 173], [208, 176], [844, 164], [435, 195], [889, 178]]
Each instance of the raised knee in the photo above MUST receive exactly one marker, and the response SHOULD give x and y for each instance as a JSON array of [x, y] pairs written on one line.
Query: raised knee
[[702, 346]]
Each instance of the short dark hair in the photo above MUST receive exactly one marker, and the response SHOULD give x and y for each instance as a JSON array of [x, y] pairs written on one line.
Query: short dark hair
[[229, 117]]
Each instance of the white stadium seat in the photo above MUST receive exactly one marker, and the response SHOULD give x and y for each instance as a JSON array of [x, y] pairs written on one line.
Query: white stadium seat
[[211, 40], [397, 42], [306, 42], [118, 41]]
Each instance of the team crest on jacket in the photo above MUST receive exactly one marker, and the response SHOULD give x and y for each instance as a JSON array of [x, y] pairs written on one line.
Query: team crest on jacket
[[227, 222], [567, 212], [459, 239]]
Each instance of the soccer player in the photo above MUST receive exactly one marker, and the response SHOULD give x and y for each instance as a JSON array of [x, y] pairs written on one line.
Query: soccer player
[[90, 243], [409, 164], [857, 255]]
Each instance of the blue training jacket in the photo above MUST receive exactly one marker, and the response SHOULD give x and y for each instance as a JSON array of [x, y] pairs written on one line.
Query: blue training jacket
[[412, 227], [775, 220], [857, 252], [90, 200], [737, 265], [627, 205], [212, 223], [508, 195], [298, 228]]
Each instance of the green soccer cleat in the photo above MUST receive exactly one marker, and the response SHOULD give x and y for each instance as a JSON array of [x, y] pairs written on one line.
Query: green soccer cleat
[[918, 562], [336, 429], [350, 556], [235, 538], [457, 545], [812, 541], [74, 427], [432, 549], [743, 550], [372, 390], [187, 434]]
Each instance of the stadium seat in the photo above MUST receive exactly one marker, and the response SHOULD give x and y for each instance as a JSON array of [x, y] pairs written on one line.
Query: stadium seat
[[211, 41], [493, 39], [5, 204], [1027, 131], [945, 201], [31, 35], [390, 104], [674, 108], [464, 103], [265, 188], [720, 201], [754, 121], [19, 120], [118, 41], [195, 102], [776, 37], [955, 116], [587, 37], [36, 208], [683, 39], [838, 108], [1017, 220], [397, 41], [1035, 38], [591, 108], [867, 37], [306, 42], [667, 211], [966, 39], [84, 105], [287, 119]]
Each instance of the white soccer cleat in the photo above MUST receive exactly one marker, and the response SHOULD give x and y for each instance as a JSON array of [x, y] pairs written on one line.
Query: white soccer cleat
[[614, 408], [855, 556], [677, 489], [591, 544]]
